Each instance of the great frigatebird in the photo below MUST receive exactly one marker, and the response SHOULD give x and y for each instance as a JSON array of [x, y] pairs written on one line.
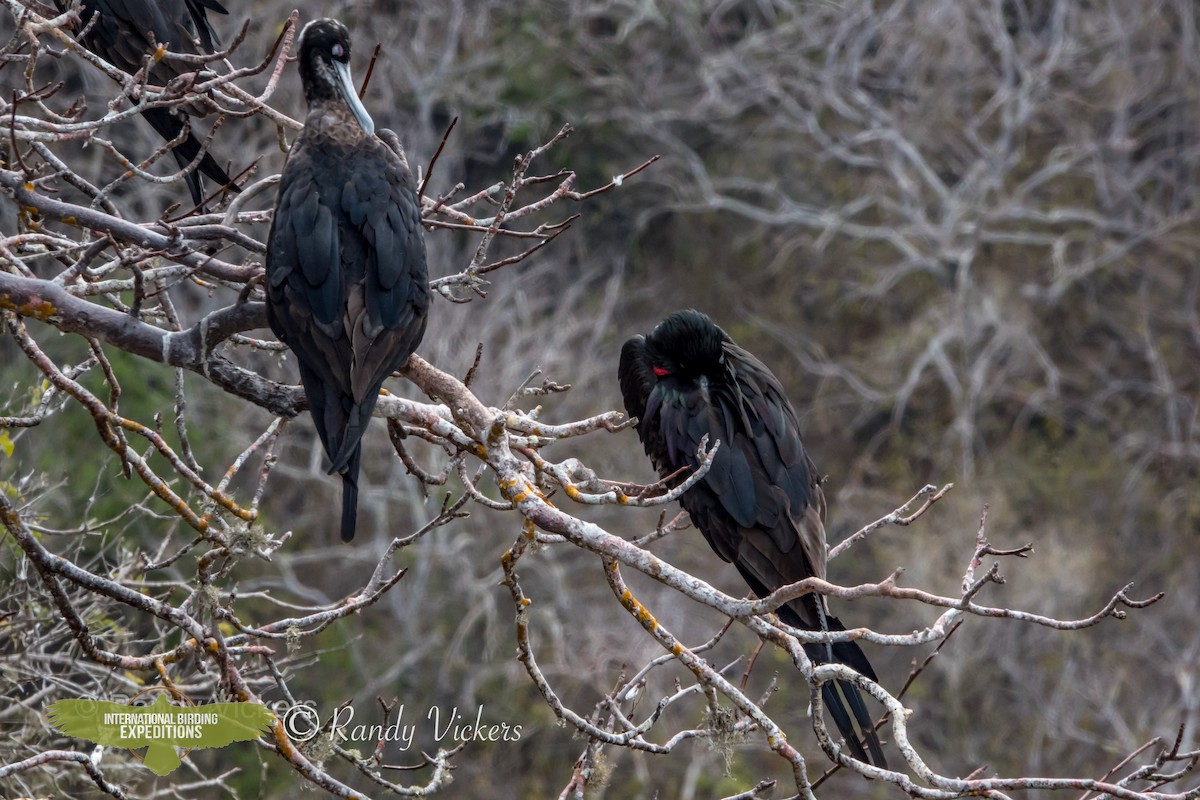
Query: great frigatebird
[[760, 504], [347, 282]]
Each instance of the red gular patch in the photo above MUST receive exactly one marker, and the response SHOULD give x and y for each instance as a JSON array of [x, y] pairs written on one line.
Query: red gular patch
[[661, 371]]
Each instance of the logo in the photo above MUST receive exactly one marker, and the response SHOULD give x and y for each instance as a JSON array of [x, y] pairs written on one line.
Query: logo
[[161, 726]]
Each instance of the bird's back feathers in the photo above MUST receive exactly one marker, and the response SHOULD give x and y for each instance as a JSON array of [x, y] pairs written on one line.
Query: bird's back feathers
[[760, 504], [347, 280]]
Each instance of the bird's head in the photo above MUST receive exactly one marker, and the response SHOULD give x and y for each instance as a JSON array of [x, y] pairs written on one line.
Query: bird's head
[[687, 344], [325, 68]]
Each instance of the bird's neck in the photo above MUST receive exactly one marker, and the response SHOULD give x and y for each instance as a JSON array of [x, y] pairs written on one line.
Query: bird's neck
[[330, 119]]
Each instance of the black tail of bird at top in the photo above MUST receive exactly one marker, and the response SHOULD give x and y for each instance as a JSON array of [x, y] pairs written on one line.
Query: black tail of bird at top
[[169, 125], [123, 31]]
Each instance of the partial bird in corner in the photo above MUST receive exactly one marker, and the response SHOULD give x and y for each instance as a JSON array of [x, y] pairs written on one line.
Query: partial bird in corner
[[347, 283], [760, 505], [127, 30]]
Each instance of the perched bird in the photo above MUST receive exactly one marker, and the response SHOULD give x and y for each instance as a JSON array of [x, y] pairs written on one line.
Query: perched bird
[[760, 505], [127, 30], [347, 283]]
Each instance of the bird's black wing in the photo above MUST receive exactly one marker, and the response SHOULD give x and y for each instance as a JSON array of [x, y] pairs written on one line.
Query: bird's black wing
[[128, 30], [347, 285], [384, 253], [789, 503], [304, 291], [636, 377], [397, 272], [760, 505]]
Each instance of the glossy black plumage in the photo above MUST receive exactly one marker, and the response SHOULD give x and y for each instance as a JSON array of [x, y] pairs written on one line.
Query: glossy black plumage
[[347, 282], [127, 30], [760, 505]]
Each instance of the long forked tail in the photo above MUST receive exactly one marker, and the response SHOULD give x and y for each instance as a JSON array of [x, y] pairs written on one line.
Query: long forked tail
[[839, 695], [844, 700]]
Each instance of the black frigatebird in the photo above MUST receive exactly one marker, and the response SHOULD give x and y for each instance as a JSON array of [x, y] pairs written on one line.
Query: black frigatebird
[[347, 282]]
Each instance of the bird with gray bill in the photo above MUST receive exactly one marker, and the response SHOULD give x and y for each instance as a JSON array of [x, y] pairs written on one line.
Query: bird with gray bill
[[346, 278]]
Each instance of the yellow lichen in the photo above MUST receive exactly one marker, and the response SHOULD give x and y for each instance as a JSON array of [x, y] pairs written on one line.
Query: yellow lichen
[[38, 309]]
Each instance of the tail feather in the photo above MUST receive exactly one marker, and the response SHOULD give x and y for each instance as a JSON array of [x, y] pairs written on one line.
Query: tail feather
[[865, 723], [843, 698], [352, 430], [350, 496], [833, 693], [850, 654], [168, 126]]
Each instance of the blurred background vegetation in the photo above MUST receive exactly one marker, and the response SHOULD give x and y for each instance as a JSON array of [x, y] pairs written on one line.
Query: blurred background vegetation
[[964, 236]]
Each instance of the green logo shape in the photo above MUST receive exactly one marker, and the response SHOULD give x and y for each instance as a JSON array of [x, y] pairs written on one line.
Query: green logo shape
[[160, 726]]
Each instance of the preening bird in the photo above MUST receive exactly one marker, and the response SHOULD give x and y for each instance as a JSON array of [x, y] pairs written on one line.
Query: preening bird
[[347, 283], [127, 30], [760, 505]]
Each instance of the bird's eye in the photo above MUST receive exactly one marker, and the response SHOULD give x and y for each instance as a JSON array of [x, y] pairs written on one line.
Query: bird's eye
[[661, 371], [338, 51]]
